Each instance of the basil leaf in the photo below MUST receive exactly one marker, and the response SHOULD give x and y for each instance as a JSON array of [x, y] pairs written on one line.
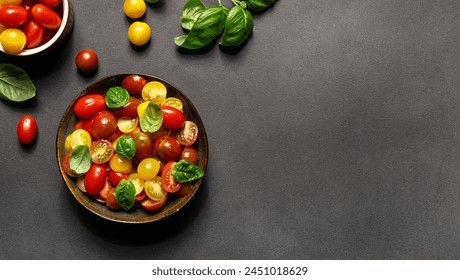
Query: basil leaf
[[116, 97], [80, 159], [238, 27], [15, 85], [152, 1], [259, 5], [126, 147], [208, 26], [152, 119], [125, 194], [190, 13], [184, 171]]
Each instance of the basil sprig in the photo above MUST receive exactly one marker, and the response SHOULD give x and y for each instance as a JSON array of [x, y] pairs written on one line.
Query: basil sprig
[[238, 27], [126, 147], [116, 97], [125, 194], [15, 85], [184, 171], [152, 118], [191, 12], [80, 159]]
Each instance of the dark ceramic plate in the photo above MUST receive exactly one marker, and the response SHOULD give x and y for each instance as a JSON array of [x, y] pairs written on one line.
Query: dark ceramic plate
[[136, 215]]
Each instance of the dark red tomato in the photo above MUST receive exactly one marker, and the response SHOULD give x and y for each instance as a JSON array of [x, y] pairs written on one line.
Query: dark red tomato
[[168, 148], [172, 117], [110, 201], [46, 16], [184, 190], [13, 16], [116, 177], [86, 60], [48, 35], [95, 179], [129, 110], [188, 134], [89, 105], [51, 3], [101, 151], [134, 84], [66, 166], [144, 146], [170, 184], [104, 125], [190, 154], [27, 130], [151, 205], [34, 34]]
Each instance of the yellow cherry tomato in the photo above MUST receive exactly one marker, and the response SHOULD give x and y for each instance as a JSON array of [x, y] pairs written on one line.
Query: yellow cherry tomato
[[137, 182], [154, 91], [120, 164], [134, 8], [139, 33], [148, 168], [154, 189], [78, 137], [141, 108], [13, 40], [173, 102], [8, 2], [127, 125]]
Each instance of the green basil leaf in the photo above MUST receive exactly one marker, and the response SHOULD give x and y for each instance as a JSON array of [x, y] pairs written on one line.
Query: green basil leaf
[[15, 85], [152, 1], [80, 159], [238, 27], [259, 5], [125, 194], [126, 147], [152, 119], [184, 171], [190, 13], [207, 27], [116, 97]]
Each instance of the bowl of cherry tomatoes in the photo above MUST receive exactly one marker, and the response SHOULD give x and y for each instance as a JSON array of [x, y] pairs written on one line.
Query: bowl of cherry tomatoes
[[132, 148], [31, 27]]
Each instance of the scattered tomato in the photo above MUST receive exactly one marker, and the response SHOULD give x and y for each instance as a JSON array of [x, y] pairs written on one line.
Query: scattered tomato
[[86, 60], [139, 33], [27, 130], [134, 8]]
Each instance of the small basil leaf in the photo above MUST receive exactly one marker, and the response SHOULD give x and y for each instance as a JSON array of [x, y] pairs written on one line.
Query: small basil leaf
[[116, 97], [184, 171], [126, 147], [152, 119], [207, 27], [190, 13], [238, 27], [125, 194], [80, 159], [15, 85]]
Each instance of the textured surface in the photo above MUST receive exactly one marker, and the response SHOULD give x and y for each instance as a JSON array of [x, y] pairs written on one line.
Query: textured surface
[[334, 133]]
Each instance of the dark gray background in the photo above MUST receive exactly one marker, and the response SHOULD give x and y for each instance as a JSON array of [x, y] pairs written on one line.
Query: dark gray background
[[334, 133]]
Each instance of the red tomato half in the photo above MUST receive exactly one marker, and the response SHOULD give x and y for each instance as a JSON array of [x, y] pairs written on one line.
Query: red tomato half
[[34, 34], [27, 130], [46, 16], [66, 165], [51, 3], [167, 180], [101, 151], [188, 134], [95, 179], [89, 105], [172, 117], [13, 16], [151, 205]]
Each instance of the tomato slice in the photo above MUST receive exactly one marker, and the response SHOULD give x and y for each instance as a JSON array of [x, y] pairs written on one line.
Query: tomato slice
[[167, 180], [127, 125], [101, 151], [151, 205], [188, 134]]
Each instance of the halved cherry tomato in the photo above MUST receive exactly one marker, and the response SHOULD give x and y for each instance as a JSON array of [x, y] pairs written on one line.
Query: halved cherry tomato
[[104, 125], [95, 179], [78, 137], [89, 105], [13, 16], [137, 182], [115, 177], [111, 202], [172, 117], [141, 196], [173, 102], [101, 151], [154, 91], [46, 16], [190, 154], [119, 164], [154, 190], [66, 166], [127, 125], [27, 129], [167, 180], [168, 148], [150, 205], [133, 84], [34, 34], [188, 134], [51, 3], [105, 190]]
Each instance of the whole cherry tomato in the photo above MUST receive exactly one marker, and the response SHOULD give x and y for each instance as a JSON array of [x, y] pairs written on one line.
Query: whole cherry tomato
[[172, 117], [116, 177], [168, 148], [13, 16], [133, 84], [129, 110], [50, 3], [89, 105], [27, 129], [95, 179], [190, 154], [46, 16], [104, 125], [34, 34], [86, 60]]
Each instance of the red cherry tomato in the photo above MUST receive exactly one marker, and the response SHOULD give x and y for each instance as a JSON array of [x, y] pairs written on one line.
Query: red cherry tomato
[[101, 151], [27, 130], [50, 3], [116, 177], [144, 146], [104, 125], [86, 60], [95, 179], [84, 124], [188, 134], [190, 154], [172, 117], [129, 110], [89, 105], [34, 34], [66, 166], [168, 148], [13, 16], [134, 84], [167, 180], [111, 201], [184, 190], [151, 205], [46, 16]]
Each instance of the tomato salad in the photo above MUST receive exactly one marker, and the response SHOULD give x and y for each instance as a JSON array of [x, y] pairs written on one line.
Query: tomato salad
[[132, 146]]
